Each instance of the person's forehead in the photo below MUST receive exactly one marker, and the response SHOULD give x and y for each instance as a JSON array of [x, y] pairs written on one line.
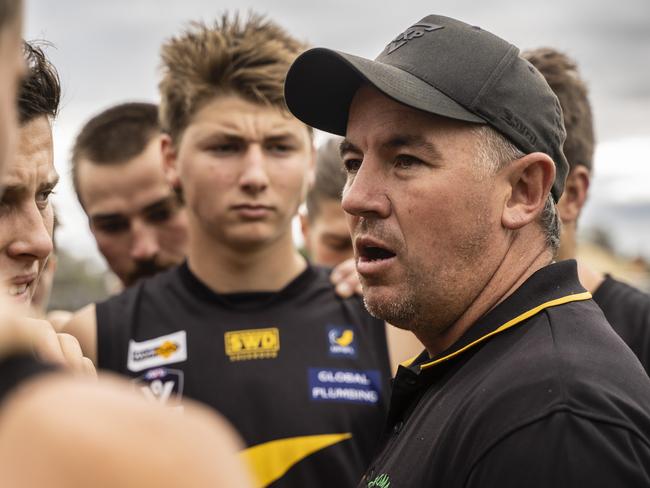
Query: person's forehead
[[33, 162], [121, 188], [392, 123], [331, 212], [233, 115]]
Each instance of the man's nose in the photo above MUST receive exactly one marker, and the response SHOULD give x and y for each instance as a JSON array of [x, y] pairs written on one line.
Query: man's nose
[[144, 243], [32, 238], [254, 177], [365, 194]]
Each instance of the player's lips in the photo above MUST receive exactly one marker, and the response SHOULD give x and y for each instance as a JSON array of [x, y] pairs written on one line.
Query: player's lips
[[253, 211], [19, 287], [373, 256]]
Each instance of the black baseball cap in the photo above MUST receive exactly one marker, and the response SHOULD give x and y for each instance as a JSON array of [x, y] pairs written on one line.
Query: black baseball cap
[[445, 67]]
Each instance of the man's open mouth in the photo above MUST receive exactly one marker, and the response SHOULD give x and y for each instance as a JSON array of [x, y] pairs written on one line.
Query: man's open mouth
[[370, 250]]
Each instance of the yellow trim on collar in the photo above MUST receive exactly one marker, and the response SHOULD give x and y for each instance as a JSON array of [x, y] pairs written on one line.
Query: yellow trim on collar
[[511, 323]]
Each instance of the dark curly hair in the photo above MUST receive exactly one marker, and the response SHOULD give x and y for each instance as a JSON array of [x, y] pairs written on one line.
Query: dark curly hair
[[40, 90]]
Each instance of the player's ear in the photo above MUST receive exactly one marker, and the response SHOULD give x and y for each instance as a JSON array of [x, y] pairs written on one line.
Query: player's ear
[[169, 158], [575, 194], [304, 226], [529, 180]]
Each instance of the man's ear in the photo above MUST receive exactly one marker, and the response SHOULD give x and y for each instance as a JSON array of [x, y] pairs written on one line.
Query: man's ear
[[304, 226], [529, 180], [575, 194], [311, 175], [169, 157]]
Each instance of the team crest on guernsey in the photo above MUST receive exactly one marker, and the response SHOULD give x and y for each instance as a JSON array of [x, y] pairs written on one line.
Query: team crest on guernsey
[[243, 345], [162, 385], [167, 349], [342, 341]]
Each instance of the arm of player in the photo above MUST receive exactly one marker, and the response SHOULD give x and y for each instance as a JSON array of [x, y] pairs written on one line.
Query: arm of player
[[64, 432], [83, 326]]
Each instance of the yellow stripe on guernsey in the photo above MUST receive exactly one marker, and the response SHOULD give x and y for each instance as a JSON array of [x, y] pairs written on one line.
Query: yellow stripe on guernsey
[[271, 460], [511, 323]]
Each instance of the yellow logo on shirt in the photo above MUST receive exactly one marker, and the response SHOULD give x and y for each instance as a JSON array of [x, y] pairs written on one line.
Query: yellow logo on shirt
[[166, 349], [242, 345]]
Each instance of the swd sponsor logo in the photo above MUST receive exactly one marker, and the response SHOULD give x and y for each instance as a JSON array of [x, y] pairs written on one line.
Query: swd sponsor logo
[[242, 345]]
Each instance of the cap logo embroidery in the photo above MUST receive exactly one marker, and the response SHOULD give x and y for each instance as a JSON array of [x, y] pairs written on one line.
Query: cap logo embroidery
[[417, 30], [517, 124]]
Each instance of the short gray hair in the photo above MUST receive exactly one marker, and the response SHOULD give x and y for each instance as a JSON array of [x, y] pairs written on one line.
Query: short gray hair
[[495, 152]]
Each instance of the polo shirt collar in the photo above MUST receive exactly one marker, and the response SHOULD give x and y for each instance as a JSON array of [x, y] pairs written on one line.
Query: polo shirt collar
[[550, 286]]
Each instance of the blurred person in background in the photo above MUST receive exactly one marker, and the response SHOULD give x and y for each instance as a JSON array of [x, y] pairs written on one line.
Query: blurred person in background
[[138, 221], [626, 308], [324, 228], [26, 213], [57, 430], [246, 301]]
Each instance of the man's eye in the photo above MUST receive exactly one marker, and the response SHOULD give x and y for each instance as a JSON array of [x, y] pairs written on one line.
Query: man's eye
[[112, 227], [352, 165], [406, 162], [159, 215], [43, 197], [224, 149], [279, 148]]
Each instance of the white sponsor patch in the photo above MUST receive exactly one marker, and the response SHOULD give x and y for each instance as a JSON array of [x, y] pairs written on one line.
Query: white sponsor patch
[[167, 349]]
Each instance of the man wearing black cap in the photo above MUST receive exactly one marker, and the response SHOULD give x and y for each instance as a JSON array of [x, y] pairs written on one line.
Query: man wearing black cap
[[454, 157]]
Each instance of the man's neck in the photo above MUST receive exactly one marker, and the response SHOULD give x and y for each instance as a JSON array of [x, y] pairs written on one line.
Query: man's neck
[[226, 269], [518, 264]]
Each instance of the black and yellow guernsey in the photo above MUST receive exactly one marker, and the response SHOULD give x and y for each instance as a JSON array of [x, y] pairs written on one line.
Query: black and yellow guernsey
[[302, 374], [539, 392]]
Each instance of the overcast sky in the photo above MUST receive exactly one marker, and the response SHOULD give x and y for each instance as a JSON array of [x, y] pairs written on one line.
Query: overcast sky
[[107, 53]]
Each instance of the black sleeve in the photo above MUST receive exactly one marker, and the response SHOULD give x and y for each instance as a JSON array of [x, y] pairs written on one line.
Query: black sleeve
[[565, 450], [628, 311], [15, 370]]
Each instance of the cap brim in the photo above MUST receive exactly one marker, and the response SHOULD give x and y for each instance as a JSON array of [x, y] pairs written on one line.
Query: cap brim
[[321, 83]]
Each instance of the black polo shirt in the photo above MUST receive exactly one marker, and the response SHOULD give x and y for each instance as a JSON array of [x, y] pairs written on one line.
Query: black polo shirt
[[539, 392]]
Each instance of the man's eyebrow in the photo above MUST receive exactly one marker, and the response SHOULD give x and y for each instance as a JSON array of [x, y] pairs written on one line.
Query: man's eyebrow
[[163, 202], [346, 146], [52, 181], [106, 216], [413, 141]]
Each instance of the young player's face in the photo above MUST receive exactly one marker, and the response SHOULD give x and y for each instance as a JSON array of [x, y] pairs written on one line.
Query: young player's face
[[424, 219], [12, 68], [244, 170], [327, 237], [26, 216], [136, 219]]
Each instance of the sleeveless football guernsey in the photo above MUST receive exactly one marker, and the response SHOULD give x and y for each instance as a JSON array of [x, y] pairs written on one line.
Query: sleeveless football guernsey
[[302, 374]]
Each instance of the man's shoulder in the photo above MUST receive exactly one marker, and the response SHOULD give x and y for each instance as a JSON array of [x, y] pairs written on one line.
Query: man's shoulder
[[620, 300], [565, 359]]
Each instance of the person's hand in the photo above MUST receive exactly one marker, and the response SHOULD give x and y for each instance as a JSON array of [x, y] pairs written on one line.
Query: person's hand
[[345, 279], [20, 334]]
